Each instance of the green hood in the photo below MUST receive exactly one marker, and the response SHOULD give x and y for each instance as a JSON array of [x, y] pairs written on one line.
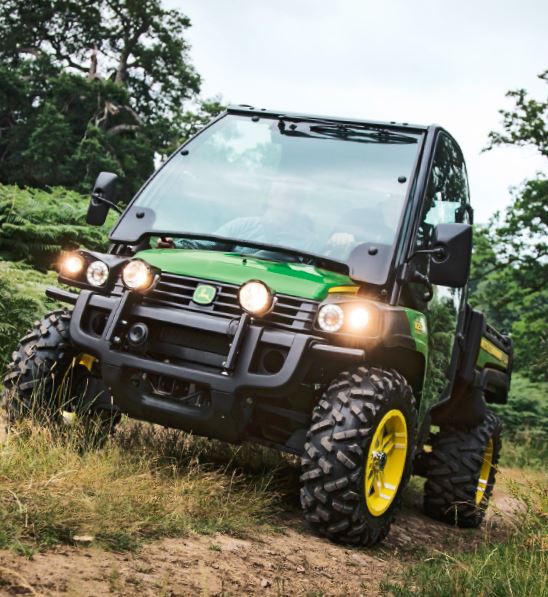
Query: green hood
[[295, 279]]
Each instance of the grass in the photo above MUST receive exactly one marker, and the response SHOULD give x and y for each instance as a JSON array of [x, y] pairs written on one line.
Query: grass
[[146, 483], [525, 449], [514, 566]]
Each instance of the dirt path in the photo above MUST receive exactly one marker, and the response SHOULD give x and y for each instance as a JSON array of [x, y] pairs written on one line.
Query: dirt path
[[294, 562]]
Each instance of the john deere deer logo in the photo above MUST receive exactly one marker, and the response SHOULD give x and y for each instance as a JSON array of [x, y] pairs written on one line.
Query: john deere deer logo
[[204, 294]]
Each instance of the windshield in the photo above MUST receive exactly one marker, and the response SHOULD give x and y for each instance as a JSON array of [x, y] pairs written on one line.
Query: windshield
[[317, 188]]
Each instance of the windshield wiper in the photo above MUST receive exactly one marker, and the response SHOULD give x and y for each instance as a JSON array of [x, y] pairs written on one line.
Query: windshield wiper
[[366, 135], [329, 130]]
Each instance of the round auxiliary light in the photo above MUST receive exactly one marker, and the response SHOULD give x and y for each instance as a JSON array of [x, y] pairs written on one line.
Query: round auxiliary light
[[331, 318], [358, 319], [97, 273], [137, 275], [72, 265], [255, 297]]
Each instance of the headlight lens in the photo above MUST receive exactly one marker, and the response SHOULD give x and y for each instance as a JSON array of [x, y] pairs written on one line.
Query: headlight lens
[[255, 297], [331, 318], [72, 265], [358, 319], [97, 273], [137, 275]]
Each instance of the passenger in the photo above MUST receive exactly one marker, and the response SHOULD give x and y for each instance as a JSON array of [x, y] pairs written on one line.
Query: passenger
[[376, 224]]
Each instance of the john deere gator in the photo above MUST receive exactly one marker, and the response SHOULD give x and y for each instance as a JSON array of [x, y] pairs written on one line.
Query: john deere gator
[[274, 282]]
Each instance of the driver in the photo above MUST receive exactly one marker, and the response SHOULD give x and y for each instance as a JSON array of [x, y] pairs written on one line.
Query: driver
[[283, 223]]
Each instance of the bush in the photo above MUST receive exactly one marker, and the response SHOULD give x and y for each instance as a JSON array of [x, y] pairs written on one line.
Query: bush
[[22, 301], [525, 421], [527, 406], [36, 225]]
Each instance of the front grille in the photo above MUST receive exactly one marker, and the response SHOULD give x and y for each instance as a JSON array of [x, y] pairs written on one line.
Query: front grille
[[177, 291]]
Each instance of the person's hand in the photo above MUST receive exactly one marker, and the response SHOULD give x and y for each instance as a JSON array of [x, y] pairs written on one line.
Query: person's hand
[[341, 239], [165, 242], [339, 243]]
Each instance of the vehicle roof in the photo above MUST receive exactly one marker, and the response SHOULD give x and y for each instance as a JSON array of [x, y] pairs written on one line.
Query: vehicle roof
[[245, 109]]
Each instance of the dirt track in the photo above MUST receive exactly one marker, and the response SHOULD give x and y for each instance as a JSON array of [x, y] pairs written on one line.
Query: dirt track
[[294, 562]]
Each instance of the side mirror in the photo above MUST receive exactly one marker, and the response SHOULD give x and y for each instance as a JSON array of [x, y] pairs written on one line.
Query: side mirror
[[451, 255], [102, 198]]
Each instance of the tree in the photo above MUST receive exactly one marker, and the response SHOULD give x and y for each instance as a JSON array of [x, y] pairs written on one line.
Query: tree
[[525, 123], [86, 86], [192, 121], [509, 280]]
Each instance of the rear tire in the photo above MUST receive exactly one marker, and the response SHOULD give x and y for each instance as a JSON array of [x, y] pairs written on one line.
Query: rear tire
[[343, 452], [48, 376], [461, 471]]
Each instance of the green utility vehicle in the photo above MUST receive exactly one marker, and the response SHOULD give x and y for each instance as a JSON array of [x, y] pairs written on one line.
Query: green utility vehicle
[[274, 282]]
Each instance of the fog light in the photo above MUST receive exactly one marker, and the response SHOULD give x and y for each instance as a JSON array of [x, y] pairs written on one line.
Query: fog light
[[255, 297], [72, 265], [331, 318], [97, 273], [137, 275]]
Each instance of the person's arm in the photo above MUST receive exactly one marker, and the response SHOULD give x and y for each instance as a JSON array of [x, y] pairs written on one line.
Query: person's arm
[[167, 242]]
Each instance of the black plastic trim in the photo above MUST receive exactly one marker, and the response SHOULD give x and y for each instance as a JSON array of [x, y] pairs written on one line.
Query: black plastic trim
[[65, 296]]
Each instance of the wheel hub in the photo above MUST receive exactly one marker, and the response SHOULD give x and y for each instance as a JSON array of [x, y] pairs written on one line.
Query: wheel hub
[[379, 459]]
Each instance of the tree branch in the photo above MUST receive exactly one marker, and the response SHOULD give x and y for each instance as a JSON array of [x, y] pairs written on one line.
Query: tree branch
[[123, 128]]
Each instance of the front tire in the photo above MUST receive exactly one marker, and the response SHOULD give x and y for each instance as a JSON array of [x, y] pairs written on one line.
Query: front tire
[[49, 377], [358, 455], [461, 472]]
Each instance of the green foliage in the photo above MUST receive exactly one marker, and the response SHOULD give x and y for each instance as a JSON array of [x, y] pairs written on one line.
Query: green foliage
[[527, 407], [530, 335], [525, 450], [22, 301], [509, 280], [525, 123], [86, 87], [525, 423], [36, 225], [192, 121]]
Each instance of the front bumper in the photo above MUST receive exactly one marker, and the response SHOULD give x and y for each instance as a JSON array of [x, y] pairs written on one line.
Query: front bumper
[[227, 411]]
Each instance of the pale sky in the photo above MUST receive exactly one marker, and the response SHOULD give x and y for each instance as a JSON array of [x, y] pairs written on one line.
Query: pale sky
[[417, 61]]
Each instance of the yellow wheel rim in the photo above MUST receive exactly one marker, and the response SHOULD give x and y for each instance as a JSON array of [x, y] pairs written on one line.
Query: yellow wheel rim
[[385, 462], [86, 360], [485, 472]]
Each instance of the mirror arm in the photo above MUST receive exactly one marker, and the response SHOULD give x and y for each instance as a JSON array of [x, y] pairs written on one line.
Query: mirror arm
[[438, 253], [423, 279], [101, 199], [410, 274]]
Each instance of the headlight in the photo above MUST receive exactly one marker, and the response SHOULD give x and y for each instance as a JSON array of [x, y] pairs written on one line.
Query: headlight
[[331, 318], [72, 265], [255, 297], [97, 273], [358, 319], [137, 275]]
